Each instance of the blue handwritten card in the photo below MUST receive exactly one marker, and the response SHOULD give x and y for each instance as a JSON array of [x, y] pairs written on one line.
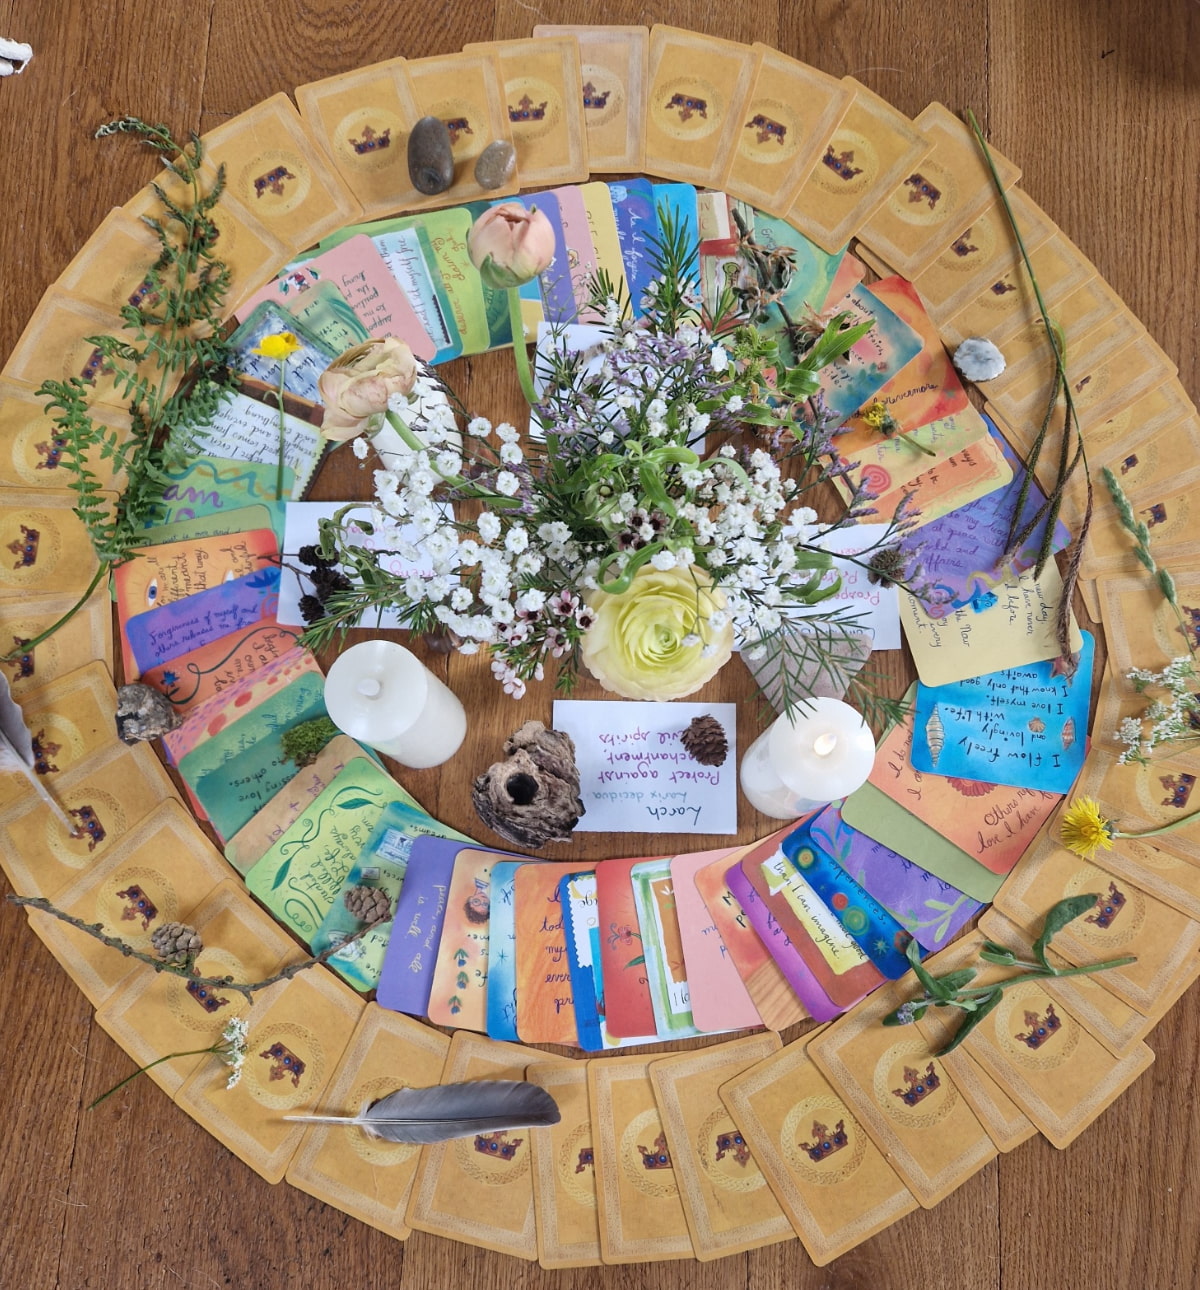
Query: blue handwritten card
[[406, 978], [181, 626], [635, 774], [963, 552], [1025, 726], [637, 230], [502, 955]]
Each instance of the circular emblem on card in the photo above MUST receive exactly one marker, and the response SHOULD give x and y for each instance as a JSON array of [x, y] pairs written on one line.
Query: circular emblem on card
[[770, 133], [848, 166], [1172, 638], [1031, 1030], [206, 1008], [459, 117], [1120, 911], [1089, 390], [36, 666], [534, 108], [57, 744], [285, 1064], [911, 1087], [494, 1158], [645, 1160], [371, 139], [821, 1141], [97, 816], [688, 108], [274, 183], [603, 97], [34, 542], [375, 1151], [725, 1156], [576, 1163], [927, 196], [1164, 794]]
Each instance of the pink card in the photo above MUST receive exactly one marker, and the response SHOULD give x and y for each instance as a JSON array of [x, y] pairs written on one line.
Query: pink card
[[581, 250], [720, 1000], [360, 273]]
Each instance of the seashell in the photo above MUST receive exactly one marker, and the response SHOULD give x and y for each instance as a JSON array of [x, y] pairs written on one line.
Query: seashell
[[1037, 725], [969, 787], [935, 736], [1068, 733]]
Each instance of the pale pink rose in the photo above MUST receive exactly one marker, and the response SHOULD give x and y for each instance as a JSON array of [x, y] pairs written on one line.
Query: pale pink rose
[[355, 388], [510, 245]]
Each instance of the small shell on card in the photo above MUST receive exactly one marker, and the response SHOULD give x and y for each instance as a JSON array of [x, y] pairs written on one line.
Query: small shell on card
[[979, 360]]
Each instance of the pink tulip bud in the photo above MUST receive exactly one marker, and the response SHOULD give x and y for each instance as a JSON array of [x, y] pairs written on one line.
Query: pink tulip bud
[[356, 387], [510, 245]]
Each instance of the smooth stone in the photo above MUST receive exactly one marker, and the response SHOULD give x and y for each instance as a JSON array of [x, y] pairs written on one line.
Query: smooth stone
[[430, 157], [496, 165]]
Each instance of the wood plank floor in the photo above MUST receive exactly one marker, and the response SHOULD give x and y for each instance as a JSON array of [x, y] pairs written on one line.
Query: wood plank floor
[[1099, 102]]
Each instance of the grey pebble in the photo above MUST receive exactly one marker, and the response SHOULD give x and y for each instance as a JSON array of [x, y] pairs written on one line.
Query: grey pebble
[[430, 158], [496, 165], [144, 713]]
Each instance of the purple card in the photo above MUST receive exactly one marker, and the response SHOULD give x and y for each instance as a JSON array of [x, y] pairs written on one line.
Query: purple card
[[780, 947], [181, 626], [407, 974], [961, 552], [558, 293], [930, 909]]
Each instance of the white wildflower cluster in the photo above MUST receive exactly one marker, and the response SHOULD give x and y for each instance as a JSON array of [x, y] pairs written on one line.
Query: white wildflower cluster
[[232, 1048], [1170, 718]]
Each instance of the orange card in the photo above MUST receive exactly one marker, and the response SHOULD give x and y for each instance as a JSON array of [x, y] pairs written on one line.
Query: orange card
[[545, 1006]]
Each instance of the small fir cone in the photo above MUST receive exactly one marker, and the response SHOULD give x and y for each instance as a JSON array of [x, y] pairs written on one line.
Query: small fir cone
[[368, 904], [706, 741], [176, 943]]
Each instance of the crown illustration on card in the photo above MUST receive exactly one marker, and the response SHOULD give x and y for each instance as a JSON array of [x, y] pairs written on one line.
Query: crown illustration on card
[[841, 163], [593, 98], [824, 1142], [767, 129], [497, 1145], [371, 141], [207, 998], [284, 1063], [1039, 1028], [733, 1144], [923, 190], [1108, 907], [688, 106], [1179, 789], [457, 125], [917, 1087], [659, 1157], [528, 110]]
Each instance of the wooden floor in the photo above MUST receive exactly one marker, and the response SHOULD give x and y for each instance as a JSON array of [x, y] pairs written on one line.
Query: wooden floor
[[1098, 101]]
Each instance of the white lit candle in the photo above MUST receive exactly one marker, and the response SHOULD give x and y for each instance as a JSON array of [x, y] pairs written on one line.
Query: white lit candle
[[825, 750], [382, 695]]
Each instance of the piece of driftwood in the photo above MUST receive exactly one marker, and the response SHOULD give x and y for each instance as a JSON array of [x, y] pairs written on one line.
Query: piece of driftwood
[[532, 796]]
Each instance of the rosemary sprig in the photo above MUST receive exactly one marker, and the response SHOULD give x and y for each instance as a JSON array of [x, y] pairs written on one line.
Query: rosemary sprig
[[170, 363], [954, 990], [1068, 461]]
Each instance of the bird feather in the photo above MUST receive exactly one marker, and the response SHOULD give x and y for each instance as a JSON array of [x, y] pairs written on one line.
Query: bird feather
[[16, 751], [445, 1111]]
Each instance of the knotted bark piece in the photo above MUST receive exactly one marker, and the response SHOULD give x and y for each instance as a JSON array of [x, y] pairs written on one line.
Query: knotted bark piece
[[532, 797]]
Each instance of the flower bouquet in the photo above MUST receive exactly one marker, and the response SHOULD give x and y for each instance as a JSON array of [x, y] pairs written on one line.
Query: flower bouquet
[[658, 513]]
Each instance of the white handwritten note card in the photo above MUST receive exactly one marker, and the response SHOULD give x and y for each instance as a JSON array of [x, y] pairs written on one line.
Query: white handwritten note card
[[635, 774]]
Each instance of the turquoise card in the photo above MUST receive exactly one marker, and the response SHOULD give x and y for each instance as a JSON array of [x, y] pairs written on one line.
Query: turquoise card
[[502, 956], [679, 203], [236, 771], [213, 485]]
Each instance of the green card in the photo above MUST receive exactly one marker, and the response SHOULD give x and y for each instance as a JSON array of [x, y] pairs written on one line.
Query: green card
[[210, 485], [662, 947], [329, 316], [382, 863], [245, 519], [302, 873], [237, 770], [870, 811]]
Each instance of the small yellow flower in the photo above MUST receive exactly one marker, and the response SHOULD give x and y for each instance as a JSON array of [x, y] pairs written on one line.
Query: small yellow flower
[[876, 415], [279, 346], [1084, 829]]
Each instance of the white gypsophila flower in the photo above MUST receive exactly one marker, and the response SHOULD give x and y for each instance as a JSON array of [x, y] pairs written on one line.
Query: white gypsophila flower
[[530, 562], [361, 448], [511, 454], [507, 483], [468, 647], [612, 312], [480, 427], [507, 433], [448, 462], [531, 601], [554, 531], [461, 598], [488, 526], [663, 560], [606, 437], [516, 539], [735, 403]]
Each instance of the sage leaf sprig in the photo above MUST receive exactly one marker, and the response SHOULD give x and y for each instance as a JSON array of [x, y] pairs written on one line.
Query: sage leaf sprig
[[954, 990]]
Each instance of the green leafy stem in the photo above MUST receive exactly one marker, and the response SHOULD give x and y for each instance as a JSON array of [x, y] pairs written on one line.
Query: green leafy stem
[[954, 990]]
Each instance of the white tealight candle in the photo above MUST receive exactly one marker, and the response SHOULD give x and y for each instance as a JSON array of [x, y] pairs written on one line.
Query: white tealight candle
[[382, 695], [824, 751]]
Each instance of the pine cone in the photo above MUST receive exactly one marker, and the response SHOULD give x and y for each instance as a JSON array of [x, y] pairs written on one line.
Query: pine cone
[[706, 740], [176, 942], [368, 904]]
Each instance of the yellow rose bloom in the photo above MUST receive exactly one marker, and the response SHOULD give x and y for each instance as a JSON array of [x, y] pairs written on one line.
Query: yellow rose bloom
[[649, 642]]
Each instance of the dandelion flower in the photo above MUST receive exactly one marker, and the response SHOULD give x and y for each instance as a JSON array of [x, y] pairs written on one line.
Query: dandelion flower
[[1084, 829], [279, 346]]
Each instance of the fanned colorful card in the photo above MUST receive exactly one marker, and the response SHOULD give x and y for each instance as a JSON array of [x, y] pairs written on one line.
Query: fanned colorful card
[[206, 672], [458, 990], [502, 954], [267, 313], [654, 898], [545, 1004], [407, 976], [622, 956]]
